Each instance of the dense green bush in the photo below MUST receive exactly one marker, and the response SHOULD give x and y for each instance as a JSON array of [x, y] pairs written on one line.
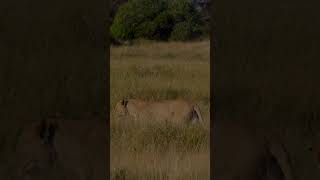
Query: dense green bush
[[182, 10], [188, 20], [164, 23], [156, 19], [185, 30], [182, 31]]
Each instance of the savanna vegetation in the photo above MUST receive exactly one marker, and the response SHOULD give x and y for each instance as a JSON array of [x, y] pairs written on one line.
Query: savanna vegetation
[[177, 20], [155, 71]]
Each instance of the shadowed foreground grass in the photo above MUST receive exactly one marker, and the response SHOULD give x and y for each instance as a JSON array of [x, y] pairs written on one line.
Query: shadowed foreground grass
[[158, 151], [155, 71]]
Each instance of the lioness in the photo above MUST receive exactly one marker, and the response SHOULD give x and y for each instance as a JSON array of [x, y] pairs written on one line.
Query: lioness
[[239, 154], [62, 149], [177, 111]]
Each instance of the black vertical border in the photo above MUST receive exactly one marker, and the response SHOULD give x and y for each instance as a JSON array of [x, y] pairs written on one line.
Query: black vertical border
[[107, 76], [213, 45]]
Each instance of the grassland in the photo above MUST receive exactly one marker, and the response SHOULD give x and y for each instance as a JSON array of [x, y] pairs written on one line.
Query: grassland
[[155, 71]]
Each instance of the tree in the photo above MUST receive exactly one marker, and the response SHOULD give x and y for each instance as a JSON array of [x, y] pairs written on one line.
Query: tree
[[155, 19]]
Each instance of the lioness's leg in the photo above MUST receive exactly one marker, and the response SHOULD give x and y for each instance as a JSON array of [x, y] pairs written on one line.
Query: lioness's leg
[[194, 117]]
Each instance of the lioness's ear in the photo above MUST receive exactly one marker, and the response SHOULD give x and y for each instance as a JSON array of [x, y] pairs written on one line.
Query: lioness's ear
[[47, 129], [124, 102], [41, 128], [52, 127]]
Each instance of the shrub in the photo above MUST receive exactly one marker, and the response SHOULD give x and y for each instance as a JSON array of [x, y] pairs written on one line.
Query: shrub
[[156, 20], [121, 29], [182, 10], [185, 30], [164, 23], [132, 14], [187, 20], [146, 30]]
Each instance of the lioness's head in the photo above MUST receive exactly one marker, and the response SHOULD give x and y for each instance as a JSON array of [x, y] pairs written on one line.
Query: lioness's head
[[34, 148], [121, 107]]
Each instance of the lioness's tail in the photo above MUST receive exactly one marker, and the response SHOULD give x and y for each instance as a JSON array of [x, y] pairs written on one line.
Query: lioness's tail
[[279, 152], [197, 110]]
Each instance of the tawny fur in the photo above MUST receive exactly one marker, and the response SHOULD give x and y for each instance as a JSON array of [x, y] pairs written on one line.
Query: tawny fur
[[240, 154], [176, 111]]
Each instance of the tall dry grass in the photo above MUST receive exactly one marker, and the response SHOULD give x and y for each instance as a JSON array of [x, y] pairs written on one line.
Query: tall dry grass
[[155, 71]]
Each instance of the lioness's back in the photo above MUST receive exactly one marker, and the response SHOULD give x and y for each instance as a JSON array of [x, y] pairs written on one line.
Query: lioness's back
[[178, 110]]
